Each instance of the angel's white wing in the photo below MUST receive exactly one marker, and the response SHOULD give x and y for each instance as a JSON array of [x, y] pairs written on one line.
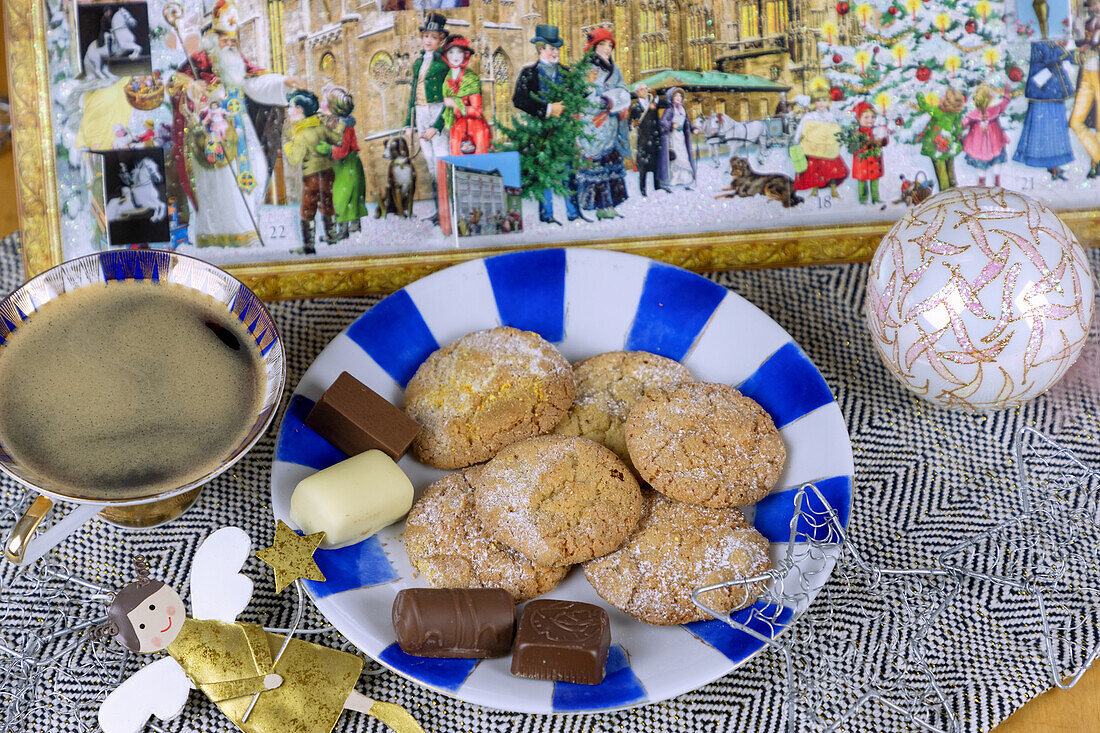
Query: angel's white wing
[[159, 688], [218, 589]]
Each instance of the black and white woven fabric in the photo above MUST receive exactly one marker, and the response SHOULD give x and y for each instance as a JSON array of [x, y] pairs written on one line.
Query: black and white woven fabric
[[926, 479]]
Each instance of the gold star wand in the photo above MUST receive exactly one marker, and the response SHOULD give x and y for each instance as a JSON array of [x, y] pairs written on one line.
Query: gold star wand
[[291, 557]]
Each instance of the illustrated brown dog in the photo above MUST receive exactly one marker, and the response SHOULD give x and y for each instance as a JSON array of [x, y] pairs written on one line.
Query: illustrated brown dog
[[745, 182], [397, 198]]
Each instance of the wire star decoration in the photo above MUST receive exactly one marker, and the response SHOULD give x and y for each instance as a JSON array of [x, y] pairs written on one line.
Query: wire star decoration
[[1046, 556], [854, 655], [859, 656]]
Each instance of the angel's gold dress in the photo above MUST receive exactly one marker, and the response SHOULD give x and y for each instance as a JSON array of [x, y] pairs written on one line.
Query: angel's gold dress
[[229, 661]]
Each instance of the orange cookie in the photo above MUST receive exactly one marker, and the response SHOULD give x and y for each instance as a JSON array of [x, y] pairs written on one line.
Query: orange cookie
[[705, 444], [677, 548], [558, 500], [608, 386], [486, 390], [448, 545]]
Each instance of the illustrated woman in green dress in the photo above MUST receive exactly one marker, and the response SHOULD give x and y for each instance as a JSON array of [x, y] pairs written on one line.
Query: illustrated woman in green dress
[[941, 140], [349, 186]]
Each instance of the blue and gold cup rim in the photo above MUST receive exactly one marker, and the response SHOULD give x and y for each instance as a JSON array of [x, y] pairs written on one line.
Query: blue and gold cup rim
[[158, 267]]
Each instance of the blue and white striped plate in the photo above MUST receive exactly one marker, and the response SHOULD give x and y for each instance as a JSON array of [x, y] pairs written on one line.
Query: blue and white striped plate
[[585, 302]]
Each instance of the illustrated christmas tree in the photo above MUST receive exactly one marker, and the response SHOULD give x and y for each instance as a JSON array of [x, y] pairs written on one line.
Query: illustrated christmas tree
[[904, 49], [548, 147]]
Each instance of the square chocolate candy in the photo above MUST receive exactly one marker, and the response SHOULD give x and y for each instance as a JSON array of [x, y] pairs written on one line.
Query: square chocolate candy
[[562, 641], [355, 419]]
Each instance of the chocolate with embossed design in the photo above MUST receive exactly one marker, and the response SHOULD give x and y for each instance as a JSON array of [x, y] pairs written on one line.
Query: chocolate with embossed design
[[562, 641]]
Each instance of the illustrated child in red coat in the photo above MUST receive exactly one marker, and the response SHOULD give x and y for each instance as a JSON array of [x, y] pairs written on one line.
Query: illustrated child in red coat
[[865, 143], [470, 134]]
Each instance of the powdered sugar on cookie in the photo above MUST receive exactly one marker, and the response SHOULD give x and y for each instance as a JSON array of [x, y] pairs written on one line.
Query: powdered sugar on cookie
[[608, 387], [705, 444], [557, 499], [676, 548], [486, 390], [448, 545]]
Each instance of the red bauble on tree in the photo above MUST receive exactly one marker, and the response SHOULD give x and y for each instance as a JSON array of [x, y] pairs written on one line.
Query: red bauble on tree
[[899, 121], [927, 36], [836, 94], [892, 10], [923, 73], [836, 58], [971, 26], [842, 8], [1014, 74], [875, 50]]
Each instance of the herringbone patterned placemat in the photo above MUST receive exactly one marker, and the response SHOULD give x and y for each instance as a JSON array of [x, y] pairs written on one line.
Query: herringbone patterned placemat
[[925, 479]]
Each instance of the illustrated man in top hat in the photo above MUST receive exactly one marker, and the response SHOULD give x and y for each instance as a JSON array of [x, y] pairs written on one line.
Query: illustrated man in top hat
[[425, 111], [536, 82], [645, 115], [226, 183]]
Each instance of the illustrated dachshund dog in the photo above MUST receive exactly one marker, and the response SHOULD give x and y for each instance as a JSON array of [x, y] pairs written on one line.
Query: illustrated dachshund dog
[[745, 182], [397, 198]]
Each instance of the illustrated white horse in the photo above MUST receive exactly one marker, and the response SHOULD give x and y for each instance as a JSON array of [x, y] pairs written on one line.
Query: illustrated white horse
[[711, 126], [120, 40], [721, 129], [139, 192]]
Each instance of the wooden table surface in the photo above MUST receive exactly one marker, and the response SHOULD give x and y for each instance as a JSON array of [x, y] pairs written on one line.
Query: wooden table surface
[[9, 218], [1056, 711]]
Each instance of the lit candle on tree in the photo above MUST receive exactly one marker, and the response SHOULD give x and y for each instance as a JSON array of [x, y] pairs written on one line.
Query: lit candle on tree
[[829, 29], [932, 99], [862, 57], [863, 12], [984, 7], [883, 101], [991, 57], [911, 6], [952, 63], [942, 22], [899, 53]]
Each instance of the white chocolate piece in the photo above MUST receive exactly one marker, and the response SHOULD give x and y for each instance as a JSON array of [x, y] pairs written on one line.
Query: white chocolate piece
[[353, 499]]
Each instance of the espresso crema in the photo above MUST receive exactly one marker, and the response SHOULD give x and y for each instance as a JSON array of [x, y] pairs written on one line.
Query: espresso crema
[[127, 389]]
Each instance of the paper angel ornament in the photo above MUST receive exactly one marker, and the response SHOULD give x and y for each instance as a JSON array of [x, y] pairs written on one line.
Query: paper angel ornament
[[237, 665]]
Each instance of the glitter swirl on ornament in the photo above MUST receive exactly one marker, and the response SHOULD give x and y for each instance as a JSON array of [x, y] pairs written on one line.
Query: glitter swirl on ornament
[[979, 298]]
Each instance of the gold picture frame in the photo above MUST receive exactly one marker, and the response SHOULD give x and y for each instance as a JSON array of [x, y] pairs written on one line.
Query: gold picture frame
[[39, 210]]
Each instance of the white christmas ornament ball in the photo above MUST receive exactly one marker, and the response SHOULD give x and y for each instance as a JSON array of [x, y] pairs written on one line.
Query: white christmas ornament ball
[[979, 298]]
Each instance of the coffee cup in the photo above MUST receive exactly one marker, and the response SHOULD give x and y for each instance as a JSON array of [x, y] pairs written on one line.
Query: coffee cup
[[164, 503]]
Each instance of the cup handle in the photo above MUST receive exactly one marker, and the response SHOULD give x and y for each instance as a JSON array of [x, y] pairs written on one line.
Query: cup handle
[[22, 548]]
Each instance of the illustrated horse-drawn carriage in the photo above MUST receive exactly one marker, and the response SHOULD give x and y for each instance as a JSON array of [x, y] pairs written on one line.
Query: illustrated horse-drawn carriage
[[719, 129]]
